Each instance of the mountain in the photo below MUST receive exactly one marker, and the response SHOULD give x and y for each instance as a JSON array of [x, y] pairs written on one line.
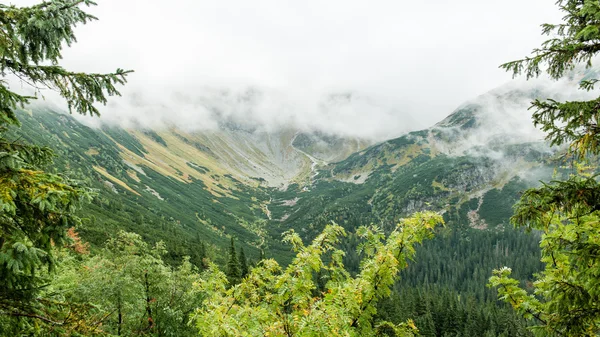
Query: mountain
[[471, 166], [195, 190], [465, 165], [185, 188], [190, 188]]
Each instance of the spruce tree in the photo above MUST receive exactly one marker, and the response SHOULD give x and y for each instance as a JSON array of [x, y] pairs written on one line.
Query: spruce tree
[[243, 263], [232, 269], [566, 299], [37, 207], [426, 325], [203, 256]]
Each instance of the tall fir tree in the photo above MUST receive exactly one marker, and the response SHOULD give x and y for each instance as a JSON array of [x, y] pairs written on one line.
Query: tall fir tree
[[232, 269], [243, 263], [37, 207], [566, 298]]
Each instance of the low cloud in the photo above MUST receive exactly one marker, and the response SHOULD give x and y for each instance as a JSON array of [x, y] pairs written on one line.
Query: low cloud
[[369, 69], [340, 113], [503, 116]]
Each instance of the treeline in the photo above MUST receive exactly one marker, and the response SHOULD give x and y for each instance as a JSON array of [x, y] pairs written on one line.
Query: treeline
[[461, 259], [444, 290], [442, 312]]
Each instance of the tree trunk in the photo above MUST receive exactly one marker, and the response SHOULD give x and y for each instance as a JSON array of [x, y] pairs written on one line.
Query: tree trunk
[[120, 321], [148, 301]]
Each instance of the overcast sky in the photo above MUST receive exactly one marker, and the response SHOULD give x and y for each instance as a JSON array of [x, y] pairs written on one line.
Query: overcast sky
[[407, 63]]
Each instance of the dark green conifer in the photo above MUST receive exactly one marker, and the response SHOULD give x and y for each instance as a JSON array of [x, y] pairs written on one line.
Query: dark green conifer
[[426, 325], [232, 269], [243, 263], [566, 211], [37, 207]]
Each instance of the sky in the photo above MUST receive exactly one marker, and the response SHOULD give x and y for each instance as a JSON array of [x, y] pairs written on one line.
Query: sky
[[367, 68]]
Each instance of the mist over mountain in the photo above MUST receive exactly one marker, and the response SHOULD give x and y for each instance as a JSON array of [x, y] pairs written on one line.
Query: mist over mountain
[[235, 173], [308, 168], [502, 112], [256, 134], [346, 114], [284, 65]]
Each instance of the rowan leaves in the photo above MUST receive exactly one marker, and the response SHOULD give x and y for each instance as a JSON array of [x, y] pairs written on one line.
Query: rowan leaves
[[276, 301]]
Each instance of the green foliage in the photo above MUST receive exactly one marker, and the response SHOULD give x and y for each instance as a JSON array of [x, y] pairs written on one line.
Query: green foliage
[[460, 260], [36, 207], [286, 301], [574, 41], [124, 289], [243, 263], [232, 269], [566, 212], [496, 206], [567, 291], [35, 35], [128, 290], [439, 311]]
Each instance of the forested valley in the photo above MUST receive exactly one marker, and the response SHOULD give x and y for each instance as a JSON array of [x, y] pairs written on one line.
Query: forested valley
[[114, 230]]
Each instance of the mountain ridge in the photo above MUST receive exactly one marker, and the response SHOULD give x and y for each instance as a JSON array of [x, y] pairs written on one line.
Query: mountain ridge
[[241, 181]]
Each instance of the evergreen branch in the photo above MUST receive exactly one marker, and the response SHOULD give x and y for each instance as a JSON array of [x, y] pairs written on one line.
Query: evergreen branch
[[576, 195], [66, 6], [560, 57], [37, 33], [29, 315], [81, 90]]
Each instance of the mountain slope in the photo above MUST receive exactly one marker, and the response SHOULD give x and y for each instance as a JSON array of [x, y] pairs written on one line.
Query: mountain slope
[[243, 182], [470, 166], [184, 188]]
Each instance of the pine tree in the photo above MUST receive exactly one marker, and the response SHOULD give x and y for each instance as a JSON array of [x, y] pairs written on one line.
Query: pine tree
[[426, 325], [232, 269], [243, 263], [37, 207], [203, 256], [567, 293]]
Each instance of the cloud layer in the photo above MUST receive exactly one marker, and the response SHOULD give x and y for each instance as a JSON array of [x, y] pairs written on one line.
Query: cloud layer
[[376, 68]]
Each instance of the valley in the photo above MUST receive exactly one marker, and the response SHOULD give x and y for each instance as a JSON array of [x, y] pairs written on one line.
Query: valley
[[296, 170], [210, 186], [199, 191]]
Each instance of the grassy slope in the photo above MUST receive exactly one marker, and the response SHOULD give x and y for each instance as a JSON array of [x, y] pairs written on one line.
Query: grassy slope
[[144, 187]]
